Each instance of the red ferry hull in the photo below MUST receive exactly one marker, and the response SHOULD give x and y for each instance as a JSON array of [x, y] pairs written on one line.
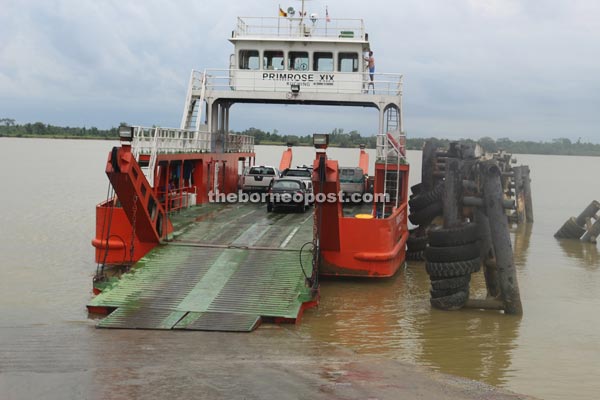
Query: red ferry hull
[[368, 247]]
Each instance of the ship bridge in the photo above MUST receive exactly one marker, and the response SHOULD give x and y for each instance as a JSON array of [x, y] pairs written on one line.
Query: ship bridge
[[282, 60], [286, 60]]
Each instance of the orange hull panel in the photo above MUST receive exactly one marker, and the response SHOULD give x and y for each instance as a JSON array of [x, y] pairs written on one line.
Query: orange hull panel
[[368, 247]]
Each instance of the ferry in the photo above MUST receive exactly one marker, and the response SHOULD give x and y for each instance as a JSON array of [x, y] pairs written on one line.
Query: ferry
[[170, 257]]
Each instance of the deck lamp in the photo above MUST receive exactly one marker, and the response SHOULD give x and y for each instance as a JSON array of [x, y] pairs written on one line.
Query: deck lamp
[[295, 88], [320, 140], [126, 133]]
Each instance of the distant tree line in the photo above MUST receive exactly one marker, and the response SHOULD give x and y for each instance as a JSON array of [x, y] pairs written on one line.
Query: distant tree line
[[337, 138], [8, 127]]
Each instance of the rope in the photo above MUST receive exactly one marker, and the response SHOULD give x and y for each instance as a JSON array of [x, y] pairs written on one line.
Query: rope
[[308, 279]]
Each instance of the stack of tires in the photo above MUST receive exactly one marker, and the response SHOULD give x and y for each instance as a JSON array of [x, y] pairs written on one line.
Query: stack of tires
[[425, 206], [452, 256], [416, 244], [417, 238]]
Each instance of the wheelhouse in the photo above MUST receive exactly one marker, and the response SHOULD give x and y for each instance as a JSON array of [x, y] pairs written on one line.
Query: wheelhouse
[[274, 54]]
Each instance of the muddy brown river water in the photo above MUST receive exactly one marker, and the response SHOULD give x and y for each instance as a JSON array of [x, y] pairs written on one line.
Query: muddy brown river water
[[50, 348]]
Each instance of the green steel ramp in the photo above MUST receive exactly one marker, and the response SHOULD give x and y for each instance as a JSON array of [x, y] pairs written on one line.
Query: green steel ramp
[[231, 268]]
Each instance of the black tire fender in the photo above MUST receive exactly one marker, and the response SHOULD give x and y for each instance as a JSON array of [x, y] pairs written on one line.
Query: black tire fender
[[427, 214], [451, 283], [444, 237], [448, 254], [452, 302], [437, 293], [424, 199], [443, 270]]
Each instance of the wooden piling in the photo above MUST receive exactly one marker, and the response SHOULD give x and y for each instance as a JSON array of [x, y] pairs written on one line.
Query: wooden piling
[[519, 194], [500, 237], [527, 193], [486, 304], [452, 201], [487, 253], [592, 232], [589, 212], [428, 166]]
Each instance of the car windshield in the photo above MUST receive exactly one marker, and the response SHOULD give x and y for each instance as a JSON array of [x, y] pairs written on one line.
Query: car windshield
[[351, 175], [294, 185], [261, 171], [298, 172]]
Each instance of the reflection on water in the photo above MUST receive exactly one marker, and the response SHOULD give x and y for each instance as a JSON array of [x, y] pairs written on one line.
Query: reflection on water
[[522, 234], [585, 253], [393, 318]]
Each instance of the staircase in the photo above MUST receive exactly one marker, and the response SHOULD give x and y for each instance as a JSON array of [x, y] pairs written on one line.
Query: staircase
[[192, 111], [391, 153]]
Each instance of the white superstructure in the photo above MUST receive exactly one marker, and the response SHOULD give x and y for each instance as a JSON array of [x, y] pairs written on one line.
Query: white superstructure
[[294, 60], [286, 60]]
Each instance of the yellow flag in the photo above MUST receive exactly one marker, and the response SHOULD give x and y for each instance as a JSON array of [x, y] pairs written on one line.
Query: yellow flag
[[282, 13]]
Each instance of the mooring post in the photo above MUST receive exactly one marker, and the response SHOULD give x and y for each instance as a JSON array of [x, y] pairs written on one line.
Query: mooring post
[[592, 232], [452, 200], [427, 166], [488, 257], [519, 194], [500, 236], [527, 192], [589, 212]]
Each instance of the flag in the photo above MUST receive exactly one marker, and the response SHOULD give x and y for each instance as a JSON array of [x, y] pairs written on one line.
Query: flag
[[282, 13], [327, 14]]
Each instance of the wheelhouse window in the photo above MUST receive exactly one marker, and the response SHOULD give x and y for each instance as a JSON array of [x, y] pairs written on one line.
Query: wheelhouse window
[[298, 60], [249, 59], [348, 62], [323, 61], [273, 59]]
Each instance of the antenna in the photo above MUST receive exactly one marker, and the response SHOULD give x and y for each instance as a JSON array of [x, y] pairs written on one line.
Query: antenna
[[302, 12]]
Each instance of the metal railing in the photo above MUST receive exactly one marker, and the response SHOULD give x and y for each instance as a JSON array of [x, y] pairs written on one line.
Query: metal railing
[[290, 27], [386, 84], [239, 143], [391, 144], [169, 140], [176, 199]]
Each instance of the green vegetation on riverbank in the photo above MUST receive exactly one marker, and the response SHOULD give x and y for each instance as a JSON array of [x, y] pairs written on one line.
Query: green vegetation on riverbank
[[8, 128], [338, 138]]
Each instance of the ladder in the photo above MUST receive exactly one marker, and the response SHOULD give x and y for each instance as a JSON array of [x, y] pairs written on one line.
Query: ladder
[[392, 154], [393, 120], [192, 111]]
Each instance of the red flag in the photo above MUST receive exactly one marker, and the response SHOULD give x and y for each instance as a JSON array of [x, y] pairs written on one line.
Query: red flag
[[327, 14]]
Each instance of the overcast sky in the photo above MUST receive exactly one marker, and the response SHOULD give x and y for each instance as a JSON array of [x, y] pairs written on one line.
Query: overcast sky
[[524, 69]]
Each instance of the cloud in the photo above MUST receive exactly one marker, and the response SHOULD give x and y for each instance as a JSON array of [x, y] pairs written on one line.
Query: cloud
[[471, 67]]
